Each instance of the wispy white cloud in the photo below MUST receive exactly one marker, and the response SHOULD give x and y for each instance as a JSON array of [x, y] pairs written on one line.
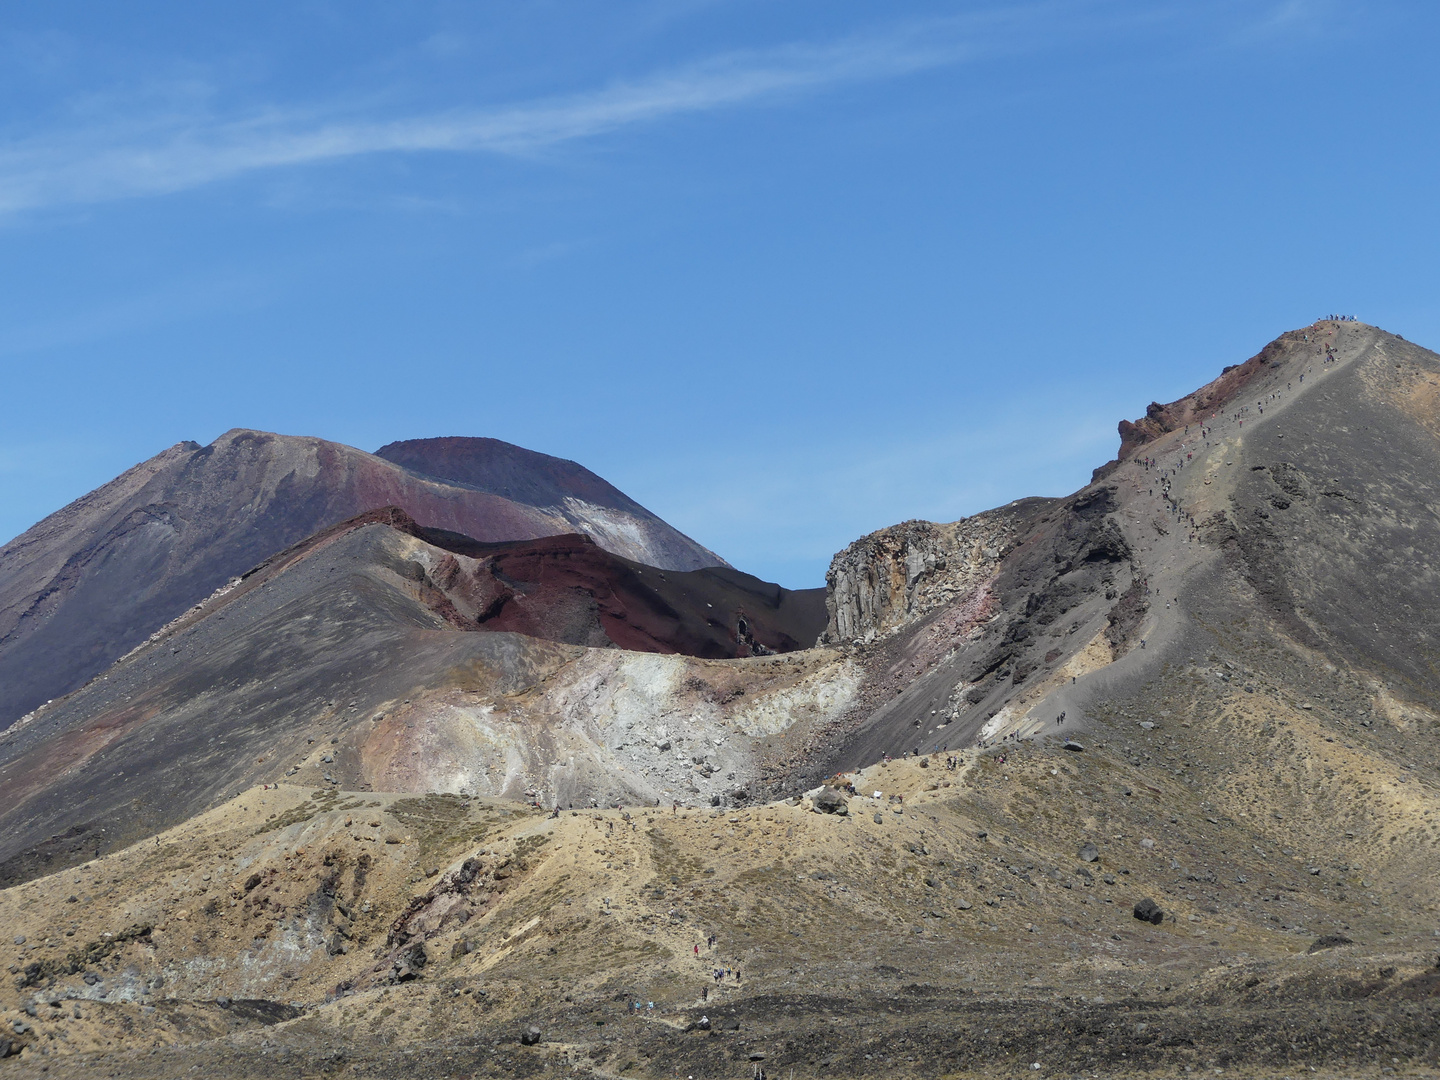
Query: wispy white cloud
[[161, 154]]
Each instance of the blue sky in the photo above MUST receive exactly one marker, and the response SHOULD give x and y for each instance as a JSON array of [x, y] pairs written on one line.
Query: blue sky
[[784, 272]]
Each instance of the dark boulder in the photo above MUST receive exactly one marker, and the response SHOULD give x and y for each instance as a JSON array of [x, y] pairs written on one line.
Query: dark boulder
[[530, 1036], [1328, 941], [1149, 911], [832, 801], [409, 963]]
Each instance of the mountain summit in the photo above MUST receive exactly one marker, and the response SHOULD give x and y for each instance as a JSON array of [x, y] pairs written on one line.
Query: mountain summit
[[95, 579]]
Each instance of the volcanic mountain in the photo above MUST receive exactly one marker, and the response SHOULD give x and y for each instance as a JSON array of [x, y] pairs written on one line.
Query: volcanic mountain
[[95, 579], [1141, 780]]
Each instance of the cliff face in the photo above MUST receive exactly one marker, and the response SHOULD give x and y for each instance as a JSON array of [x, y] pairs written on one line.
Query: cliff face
[[890, 578]]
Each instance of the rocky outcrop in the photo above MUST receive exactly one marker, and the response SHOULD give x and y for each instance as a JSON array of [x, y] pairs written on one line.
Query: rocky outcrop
[[886, 580], [569, 589]]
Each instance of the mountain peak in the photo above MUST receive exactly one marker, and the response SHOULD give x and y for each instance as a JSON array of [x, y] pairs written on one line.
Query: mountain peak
[[1234, 380], [502, 468]]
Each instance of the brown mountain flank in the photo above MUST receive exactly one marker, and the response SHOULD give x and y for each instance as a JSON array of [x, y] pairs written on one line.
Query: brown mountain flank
[[1140, 781]]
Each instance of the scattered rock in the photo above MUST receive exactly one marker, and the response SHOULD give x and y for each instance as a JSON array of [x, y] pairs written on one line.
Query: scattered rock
[[223, 1002], [964, 905], [409, 963], [252, 881], [19, 939], [1089, 853], [1149, 911], [832, 801], [1073, 746], [530, 1036], [879, 818], [704, 1023], [1328, 941]]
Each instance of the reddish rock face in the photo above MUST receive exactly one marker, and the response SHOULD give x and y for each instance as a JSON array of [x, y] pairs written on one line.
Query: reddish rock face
[[1201, 405], [568, 589], [92, 581]]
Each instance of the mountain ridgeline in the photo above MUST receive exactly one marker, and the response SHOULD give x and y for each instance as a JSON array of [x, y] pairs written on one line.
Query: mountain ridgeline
[[464, 750]]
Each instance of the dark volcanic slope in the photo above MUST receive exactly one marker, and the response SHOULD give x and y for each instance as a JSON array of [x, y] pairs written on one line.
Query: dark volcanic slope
[[95, 579], [504, 469], [593, 505]]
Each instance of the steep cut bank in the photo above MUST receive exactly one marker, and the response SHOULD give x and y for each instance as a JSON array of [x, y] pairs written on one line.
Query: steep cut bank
[[90, 582]]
